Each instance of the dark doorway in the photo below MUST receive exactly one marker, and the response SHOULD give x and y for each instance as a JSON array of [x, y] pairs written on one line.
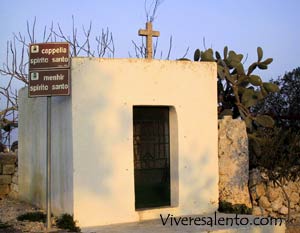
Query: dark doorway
[[151, 141]]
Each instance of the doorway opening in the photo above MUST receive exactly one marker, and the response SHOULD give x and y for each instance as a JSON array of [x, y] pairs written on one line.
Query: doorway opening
[[151, 143]]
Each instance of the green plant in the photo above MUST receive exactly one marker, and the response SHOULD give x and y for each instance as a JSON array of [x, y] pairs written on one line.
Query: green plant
[[240, 90], [32, 217], [284, 106], [244, 89], [66, 221], [227, 207]]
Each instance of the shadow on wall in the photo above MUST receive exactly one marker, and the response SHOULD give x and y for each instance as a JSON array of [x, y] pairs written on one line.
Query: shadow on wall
[[201, 180], [36, 193], [62, 160], [102, 125]]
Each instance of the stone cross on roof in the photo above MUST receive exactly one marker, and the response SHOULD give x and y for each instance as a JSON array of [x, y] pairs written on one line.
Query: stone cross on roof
[[149, 34]]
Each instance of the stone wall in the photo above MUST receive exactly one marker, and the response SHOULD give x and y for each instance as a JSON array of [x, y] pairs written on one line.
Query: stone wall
[[233, 162], [268, 199], [8, 174]]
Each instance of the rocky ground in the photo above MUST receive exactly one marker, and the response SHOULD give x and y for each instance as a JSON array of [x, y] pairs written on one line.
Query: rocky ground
[[10, 209]]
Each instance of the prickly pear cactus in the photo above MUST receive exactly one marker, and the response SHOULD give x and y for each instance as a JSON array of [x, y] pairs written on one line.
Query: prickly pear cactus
[[244, 89]]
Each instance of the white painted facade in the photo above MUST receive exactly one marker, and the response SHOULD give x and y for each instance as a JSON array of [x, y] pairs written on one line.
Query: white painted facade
[[92, 139]]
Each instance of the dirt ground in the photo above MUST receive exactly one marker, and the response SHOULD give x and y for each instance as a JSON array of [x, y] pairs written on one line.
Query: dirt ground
[[10, 209]]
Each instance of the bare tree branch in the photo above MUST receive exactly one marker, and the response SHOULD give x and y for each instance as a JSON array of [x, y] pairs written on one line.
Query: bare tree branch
[[170, 48], [204, 44], [150, 11], [15, 67], [186, 52], [155, 47]]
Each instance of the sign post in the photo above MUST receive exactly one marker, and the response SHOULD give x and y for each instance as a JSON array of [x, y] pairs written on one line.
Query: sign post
[[49, 75], [49, 69], [48, 164]]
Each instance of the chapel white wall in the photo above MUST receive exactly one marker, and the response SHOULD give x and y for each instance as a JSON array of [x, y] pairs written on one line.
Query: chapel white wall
[[104, 92], [32, 151]]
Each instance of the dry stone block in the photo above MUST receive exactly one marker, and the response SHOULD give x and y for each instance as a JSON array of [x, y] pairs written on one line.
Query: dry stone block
[[8, 158], [264, 193], [257, 211], [283, 210], [292, 186], [273, 193], [294, 197], [277, 204], [297, 218], [292, 205], [15, 179], [269, 210], [4, 189], [14, 187], [13, 195], [288, 190], [8, 169], [264, 202], [258, 191], [273, 215], [5, 179]]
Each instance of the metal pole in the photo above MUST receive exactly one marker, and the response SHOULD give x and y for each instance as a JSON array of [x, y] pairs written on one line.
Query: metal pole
[[48, 163]]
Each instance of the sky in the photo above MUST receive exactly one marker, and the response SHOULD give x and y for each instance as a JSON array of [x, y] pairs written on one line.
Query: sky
[[241, 25]]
